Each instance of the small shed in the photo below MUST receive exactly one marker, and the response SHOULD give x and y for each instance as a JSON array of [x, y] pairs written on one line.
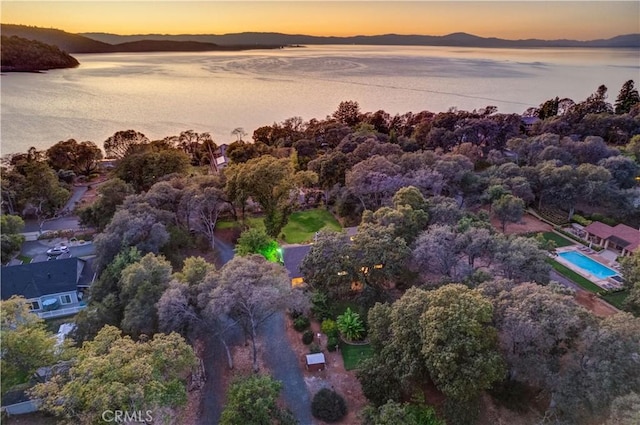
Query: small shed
[[315, 362]]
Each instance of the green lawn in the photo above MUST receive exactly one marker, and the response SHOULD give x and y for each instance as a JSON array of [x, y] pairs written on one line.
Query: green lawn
[[570, 274], [24, 259], [227, 224], [617, 298], [354, 354], [303, 225], [560, 241]]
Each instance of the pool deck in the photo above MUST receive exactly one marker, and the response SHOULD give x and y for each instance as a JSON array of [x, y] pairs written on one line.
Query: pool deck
[[606, 283]]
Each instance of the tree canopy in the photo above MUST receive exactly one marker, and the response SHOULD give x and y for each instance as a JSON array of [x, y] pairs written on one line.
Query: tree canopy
[[113, 372]]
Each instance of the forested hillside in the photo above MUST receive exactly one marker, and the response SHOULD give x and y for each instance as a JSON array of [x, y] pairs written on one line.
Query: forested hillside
[[74, 43], [71, 43], [20, 54]]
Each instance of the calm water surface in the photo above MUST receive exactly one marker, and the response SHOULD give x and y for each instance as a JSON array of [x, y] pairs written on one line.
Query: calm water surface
[[162, 94]]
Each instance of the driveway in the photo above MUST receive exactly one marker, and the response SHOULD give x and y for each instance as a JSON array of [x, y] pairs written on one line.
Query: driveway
[[285, 366], [215, 357], [35, 248], [78, 193], [224, 252], [65, 221], [215, 365], [62, 223]]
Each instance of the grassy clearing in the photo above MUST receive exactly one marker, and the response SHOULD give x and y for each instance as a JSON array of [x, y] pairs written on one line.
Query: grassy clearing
[[354, 354], [616, 299], [256, 222], [560, 241], [575, 277], [303, 225], [227, 224], [24, 259]]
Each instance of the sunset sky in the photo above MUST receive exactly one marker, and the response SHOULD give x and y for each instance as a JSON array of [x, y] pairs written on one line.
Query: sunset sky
[[505, 19]]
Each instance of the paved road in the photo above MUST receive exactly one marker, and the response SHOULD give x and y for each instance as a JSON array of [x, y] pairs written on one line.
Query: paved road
[[564, 281], [35, 248], [78, 193], [61, 223], [284, 365]]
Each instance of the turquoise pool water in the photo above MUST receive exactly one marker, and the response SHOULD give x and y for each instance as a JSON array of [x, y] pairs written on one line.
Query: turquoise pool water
[[588, 265]]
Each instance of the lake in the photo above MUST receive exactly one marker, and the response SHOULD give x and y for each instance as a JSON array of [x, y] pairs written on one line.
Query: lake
[[162, 94]]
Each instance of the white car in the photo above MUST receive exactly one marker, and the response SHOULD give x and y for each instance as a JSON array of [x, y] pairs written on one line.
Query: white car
[[54, 252]]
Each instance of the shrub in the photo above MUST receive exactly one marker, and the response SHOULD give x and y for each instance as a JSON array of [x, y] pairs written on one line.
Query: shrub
[[603, 219], [329, 328], [351, 326], [314, 348], [581, 220], [328, 406], [307, 337], [301, 323], [320, 305], [294, 314], [332, 343], [378, 380]]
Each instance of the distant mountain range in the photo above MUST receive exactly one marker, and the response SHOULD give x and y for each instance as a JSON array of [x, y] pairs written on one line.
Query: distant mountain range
[[76, 43], [108, 43], [457, 39]]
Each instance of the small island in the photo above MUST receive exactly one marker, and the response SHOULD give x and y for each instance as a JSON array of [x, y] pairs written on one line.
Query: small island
[[22, 55]]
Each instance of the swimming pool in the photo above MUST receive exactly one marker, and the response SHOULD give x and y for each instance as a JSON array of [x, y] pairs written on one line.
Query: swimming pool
[[588, 265]]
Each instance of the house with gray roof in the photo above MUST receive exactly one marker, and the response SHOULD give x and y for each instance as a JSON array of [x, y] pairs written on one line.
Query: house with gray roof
[[53, 288], [292, 257]]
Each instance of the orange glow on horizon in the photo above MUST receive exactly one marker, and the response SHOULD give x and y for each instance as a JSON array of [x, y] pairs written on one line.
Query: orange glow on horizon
[[513, 20]]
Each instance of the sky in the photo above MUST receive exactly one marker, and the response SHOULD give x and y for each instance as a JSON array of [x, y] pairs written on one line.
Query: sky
[[585, 20]]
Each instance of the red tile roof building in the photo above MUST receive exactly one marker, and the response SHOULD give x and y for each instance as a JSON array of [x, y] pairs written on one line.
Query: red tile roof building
[[621, 238]]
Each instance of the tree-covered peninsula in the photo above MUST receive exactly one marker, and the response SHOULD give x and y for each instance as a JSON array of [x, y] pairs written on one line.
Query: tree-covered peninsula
[[22, 55]]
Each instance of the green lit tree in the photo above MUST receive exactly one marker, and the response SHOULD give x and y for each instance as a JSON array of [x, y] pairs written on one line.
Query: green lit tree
[[256, 241]]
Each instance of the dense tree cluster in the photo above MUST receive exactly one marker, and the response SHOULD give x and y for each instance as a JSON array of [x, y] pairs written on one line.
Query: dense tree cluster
[[11, 238], [31, 188], [445, 298], [113, 372]]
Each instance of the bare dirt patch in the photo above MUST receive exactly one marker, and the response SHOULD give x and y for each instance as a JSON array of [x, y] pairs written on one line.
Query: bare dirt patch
[[492, 413], [334, 376], [527, 224], [594, 304]]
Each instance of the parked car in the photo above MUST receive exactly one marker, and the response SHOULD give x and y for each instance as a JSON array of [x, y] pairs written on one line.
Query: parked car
[[54, 252]]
